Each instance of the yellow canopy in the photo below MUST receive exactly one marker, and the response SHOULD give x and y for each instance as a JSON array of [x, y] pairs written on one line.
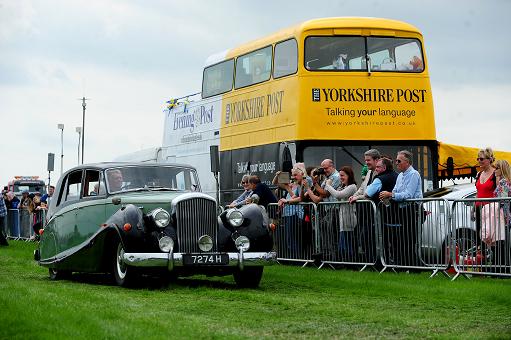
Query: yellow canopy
[[464, 160]]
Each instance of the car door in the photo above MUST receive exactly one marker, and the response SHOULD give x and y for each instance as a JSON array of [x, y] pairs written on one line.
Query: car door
[[90, 214], [66, 230]]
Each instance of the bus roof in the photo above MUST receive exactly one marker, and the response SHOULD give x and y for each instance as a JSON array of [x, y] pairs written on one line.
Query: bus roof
[[356, 26]]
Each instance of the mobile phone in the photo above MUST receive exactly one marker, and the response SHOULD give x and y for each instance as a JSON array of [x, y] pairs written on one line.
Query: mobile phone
[[283, 178]]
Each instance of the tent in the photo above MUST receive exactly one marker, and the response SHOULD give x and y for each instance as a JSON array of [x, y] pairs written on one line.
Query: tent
[[456, 161]]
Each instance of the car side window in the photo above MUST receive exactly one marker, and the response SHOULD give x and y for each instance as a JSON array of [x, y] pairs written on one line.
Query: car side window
[[93, 184], [73, 186]]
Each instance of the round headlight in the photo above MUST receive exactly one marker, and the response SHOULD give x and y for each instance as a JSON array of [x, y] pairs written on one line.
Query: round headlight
[[161, 217], [242, 243], [166, 244], [205, 243], [235, 217]]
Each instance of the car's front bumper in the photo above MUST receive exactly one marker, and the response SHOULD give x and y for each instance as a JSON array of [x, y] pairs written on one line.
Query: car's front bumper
[[172, 260]]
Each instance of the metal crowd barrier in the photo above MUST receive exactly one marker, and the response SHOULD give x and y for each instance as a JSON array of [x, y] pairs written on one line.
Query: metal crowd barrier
[[294, 231], [415, 235], [347, 234], [430, 234], [482, 238], [19, 223]]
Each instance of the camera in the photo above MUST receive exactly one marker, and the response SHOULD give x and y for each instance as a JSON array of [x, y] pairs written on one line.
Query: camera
[[318, 171]]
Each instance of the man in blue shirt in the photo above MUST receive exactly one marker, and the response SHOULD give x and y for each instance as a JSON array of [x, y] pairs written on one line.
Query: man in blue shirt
[[408, 186]]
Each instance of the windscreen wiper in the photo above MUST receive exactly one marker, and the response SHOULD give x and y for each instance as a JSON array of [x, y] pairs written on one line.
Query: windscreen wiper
[[159, 188]]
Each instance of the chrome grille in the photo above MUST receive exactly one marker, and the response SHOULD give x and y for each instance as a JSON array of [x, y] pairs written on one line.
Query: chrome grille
[[195, 217]]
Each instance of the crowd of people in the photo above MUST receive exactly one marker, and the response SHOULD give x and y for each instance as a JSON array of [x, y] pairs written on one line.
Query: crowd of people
[[389, 183], [325, 183], [29, 202]]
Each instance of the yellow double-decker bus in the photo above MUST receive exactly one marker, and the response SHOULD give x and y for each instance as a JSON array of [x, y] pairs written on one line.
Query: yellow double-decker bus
[[325, 88]]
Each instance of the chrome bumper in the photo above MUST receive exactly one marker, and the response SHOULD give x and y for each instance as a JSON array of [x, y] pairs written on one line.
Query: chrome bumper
[[171, 260]]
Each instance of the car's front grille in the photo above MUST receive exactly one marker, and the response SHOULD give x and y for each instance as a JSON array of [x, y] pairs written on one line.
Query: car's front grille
[[195, 217]]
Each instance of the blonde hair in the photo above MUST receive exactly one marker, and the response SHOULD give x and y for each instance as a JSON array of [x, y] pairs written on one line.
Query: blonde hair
[[505, 169], [487, 153], [300, 167]]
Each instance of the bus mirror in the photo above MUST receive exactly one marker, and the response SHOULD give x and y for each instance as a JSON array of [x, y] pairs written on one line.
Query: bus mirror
[[215, 158]]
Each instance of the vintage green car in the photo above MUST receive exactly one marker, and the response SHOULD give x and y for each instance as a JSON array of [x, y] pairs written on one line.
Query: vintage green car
[[138, 219]]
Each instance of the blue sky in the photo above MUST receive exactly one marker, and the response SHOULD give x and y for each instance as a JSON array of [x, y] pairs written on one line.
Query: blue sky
[[129, 57]]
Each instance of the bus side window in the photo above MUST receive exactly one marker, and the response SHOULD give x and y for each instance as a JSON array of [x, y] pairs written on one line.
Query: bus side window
[[285, 59], [217, 79], [256, 65]]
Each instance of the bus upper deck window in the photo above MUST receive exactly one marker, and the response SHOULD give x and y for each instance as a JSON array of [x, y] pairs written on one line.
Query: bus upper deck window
[[348, 53], [395, 54], [334, 53]]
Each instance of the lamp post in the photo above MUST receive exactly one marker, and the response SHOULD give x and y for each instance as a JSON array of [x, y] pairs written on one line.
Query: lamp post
[[61, 128], [83, 124], [79, 130]]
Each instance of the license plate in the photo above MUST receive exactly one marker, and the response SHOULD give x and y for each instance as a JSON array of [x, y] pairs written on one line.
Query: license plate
[[205, 259]]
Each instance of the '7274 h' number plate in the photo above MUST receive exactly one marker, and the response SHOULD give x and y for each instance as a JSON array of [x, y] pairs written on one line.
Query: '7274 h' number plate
[[205, 259]]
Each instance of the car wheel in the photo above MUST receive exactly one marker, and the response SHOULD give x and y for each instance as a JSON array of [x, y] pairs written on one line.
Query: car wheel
[[123, 274], [57, 274], [248, 277]]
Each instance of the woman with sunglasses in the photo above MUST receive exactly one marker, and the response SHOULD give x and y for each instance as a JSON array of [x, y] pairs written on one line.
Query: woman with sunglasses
[[485, 179], [246, 193], [485, 183]]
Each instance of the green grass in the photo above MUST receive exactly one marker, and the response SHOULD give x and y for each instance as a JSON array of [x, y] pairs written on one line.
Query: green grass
[[291, 303]]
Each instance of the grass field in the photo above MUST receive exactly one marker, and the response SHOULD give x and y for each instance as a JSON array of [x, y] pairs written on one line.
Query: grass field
[[291, 303]]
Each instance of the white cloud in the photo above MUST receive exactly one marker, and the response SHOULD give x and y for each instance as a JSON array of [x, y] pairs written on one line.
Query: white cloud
[[475, 116], [16, 18]]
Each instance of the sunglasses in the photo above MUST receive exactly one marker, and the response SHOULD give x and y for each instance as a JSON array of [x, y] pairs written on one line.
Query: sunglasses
[[398, 161], [244, 182], [480, 159]]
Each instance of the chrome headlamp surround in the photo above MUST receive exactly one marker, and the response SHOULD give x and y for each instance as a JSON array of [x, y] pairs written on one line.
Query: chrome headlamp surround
[[235, 217], [166, 244], [160, 217], [242, 243], [205, 243]]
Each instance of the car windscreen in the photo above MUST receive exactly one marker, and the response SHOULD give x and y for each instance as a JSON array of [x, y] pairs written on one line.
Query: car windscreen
[[30, 187], [133, 178]]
